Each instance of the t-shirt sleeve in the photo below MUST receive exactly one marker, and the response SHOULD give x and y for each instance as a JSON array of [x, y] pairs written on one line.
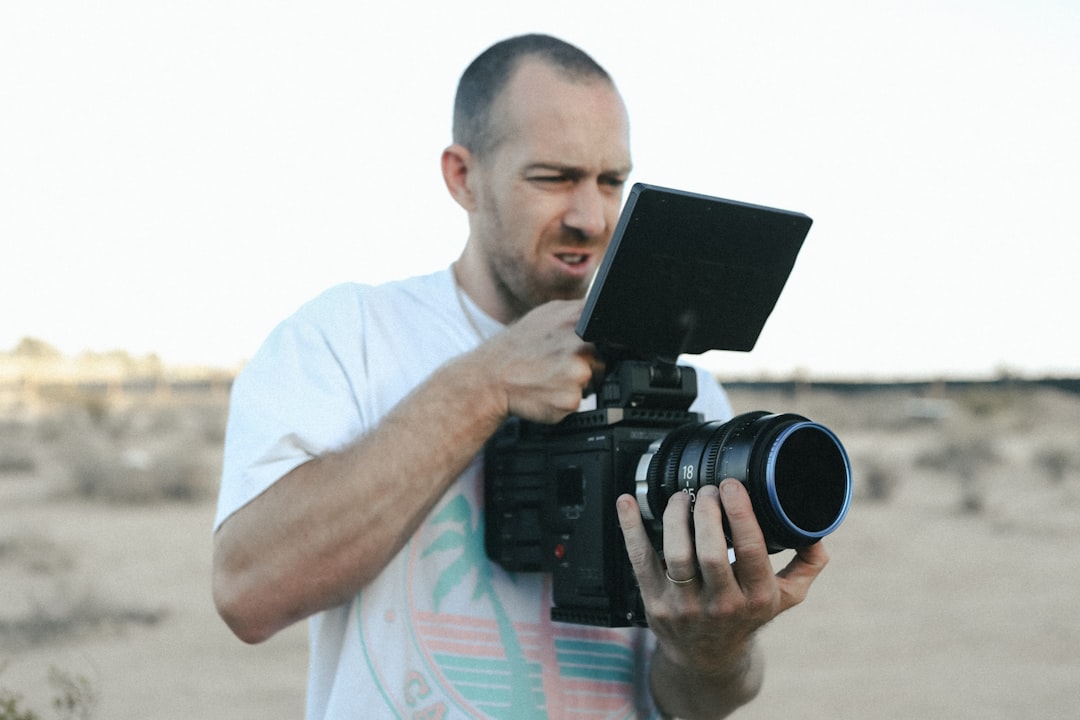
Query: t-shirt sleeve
[[292, 402], [712, 400]]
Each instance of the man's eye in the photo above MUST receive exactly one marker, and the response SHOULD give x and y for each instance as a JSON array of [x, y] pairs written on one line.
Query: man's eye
[[549, 178]]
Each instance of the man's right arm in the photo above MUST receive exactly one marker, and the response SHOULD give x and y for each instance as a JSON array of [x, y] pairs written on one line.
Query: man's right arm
[[326, 529]]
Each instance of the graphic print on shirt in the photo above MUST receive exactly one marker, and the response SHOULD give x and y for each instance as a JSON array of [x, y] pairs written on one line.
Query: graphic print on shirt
[[485, 647]]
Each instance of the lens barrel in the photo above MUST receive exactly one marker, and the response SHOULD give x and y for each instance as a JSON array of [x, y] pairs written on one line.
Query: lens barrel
[[796, 471]]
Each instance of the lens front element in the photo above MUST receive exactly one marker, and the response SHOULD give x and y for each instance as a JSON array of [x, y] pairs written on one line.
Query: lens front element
[[796, 471]]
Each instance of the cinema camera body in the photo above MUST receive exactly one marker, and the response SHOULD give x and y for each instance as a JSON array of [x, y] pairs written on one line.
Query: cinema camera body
[[685, 273]]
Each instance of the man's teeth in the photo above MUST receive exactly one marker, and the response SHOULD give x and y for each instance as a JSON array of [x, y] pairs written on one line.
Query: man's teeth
[[572, 259]]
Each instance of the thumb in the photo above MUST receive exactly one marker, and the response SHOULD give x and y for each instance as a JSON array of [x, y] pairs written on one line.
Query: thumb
[[795, 579]]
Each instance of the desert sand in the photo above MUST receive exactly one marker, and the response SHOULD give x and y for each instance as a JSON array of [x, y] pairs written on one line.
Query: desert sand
[[952, 590]]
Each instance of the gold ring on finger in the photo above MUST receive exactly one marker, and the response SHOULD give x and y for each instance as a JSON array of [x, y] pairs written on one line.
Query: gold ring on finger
[[680, 582]]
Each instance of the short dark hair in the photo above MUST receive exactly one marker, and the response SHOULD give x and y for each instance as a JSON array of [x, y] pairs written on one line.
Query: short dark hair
[[489, 73]]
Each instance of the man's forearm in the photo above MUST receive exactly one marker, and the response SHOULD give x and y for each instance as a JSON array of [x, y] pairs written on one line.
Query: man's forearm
[[326, 529], [682, 693]]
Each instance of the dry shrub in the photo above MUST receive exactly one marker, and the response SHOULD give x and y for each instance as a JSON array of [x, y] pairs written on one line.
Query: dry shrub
[[35, 554], [74, 698], [966, 459], [10, 707], [1056, 461], [138, 454], [15, 453], [960, 456], [988, 401], [15, 461], [66, 617], [874, 480], [172, 470]]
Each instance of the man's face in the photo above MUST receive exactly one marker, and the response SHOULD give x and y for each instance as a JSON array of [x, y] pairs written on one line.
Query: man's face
[[548, 195]]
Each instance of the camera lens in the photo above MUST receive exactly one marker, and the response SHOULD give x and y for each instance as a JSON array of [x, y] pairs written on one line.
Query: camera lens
[[796, 472]]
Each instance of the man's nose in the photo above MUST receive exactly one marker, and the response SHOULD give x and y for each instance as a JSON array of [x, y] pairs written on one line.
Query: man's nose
[[586, 211]]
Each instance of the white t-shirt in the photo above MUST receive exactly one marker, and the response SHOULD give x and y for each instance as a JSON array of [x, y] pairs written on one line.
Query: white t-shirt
[[442, 632]]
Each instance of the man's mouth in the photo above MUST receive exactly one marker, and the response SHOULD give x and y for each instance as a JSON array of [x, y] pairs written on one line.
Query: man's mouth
[[572, 258]]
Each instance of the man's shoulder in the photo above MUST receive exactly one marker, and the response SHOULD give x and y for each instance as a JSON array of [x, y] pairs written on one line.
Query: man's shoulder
[[355, 296]]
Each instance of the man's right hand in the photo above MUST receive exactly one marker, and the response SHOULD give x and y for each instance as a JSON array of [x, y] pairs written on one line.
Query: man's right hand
[[540, 364]]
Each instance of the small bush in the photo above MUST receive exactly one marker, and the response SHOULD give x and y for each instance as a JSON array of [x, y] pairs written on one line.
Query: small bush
[[16, 456], [1055, 462], [9, 707], [964, 457], [34, 553], [967, 460], [16, 460], [140, 475], [65, 619], [987, 402], [74, 698], [878, 483]]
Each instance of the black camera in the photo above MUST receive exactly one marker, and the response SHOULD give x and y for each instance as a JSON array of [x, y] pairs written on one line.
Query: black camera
[[550, 490]]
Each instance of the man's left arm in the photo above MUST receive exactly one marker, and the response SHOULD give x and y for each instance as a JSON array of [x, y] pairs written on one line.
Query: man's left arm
[[703, 609]]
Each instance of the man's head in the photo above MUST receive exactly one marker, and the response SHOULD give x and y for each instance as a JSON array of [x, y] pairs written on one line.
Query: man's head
[[541, 174], [486, 77]]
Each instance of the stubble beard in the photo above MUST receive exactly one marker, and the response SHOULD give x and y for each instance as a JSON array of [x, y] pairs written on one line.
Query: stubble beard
[[523, 289], [518, 280]]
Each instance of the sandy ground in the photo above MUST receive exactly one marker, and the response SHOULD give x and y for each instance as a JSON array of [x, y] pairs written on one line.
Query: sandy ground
[[951, 592]]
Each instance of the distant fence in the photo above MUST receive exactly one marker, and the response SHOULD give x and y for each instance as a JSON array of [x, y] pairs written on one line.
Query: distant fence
[[919, 387], [29, 390], [32, 391]]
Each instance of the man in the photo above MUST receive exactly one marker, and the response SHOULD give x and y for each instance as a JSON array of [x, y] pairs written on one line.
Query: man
[[352, 488]]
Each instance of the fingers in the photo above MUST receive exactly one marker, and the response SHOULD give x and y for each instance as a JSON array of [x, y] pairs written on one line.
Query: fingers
[[749, 583], [540, 364], [643, 559], [679, 554], [698, 547], [753, 569], [752, 565], [703, 603], [710, 545]]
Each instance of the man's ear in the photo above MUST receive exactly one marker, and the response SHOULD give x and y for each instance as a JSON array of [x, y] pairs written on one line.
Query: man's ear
[[457, 163]]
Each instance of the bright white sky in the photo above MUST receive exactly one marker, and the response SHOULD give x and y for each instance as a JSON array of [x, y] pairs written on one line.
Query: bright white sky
[[177, 177]]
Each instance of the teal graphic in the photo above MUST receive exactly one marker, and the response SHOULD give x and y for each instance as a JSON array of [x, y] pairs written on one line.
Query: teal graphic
[[510, 688]]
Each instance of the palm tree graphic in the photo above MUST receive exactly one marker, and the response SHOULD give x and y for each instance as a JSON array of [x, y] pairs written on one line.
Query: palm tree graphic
[[467, 538]]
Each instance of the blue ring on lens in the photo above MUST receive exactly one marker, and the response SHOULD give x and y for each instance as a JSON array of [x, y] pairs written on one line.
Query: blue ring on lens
[[770, 479]]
